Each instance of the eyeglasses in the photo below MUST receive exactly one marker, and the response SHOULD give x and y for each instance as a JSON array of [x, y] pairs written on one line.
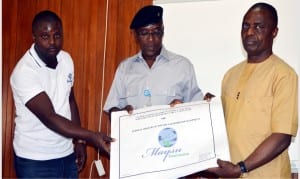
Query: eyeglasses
[[146, 34]]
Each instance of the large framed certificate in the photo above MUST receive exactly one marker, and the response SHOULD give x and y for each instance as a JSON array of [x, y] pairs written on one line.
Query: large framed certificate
[[167, 142]]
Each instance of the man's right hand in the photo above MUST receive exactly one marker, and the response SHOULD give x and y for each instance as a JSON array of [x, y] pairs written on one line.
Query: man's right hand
[[102, 142], [127, 108]]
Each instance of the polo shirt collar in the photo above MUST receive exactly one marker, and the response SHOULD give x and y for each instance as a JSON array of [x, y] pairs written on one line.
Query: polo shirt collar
[[36, 58]]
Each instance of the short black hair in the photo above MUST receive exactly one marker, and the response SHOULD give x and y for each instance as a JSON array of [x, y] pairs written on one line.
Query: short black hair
[[269, 8], [47, 16]]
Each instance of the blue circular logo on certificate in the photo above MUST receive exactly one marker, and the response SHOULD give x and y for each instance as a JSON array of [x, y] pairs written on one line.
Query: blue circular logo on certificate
[[167, 137], [147, 93]]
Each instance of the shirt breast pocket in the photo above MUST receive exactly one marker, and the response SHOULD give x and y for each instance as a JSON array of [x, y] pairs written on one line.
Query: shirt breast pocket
[[168, 92], [132, 91], [167, 95], [131, 96]]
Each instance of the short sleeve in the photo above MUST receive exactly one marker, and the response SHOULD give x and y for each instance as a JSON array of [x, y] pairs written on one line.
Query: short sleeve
[[25, 83]]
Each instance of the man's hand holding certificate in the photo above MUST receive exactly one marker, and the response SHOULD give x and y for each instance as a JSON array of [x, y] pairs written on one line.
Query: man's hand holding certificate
[[168, 142]]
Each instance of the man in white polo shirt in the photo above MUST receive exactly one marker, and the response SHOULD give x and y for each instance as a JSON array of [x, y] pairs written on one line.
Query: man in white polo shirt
[[47, 118]]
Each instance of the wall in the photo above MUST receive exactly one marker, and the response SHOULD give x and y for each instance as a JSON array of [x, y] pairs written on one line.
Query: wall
[[84, 23], [208, 33], [1, 83]]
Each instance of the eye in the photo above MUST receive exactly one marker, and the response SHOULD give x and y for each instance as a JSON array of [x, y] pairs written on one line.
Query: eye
[[57, 36], [157, 33], [245, 26], [259, 26], [45, 37], [143, 33]]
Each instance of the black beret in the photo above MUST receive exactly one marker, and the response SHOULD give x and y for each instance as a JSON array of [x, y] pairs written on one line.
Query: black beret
[[147, 15]]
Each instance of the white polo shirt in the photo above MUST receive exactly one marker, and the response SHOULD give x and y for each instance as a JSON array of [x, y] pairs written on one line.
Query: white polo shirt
[[32, 139]]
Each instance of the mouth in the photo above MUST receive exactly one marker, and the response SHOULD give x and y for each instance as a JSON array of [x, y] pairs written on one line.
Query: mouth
[[53, 51], [150, 49], [250, 42]]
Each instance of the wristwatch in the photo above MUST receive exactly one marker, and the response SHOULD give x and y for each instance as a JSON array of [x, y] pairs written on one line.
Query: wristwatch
[[244, 170]]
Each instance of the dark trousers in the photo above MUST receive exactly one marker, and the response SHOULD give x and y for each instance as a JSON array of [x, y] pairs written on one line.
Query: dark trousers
[[55, 168]]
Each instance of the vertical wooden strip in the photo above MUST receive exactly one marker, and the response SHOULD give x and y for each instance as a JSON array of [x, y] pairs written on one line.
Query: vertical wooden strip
[[55, 5], [109, 64], [90, 72], [8, 60], [40, 5], [67, 18]]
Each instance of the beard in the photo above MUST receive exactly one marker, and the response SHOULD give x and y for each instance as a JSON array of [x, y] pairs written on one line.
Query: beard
[[49, 60]]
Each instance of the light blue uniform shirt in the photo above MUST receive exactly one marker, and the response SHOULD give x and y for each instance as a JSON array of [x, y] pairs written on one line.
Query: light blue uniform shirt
[[171, 77]]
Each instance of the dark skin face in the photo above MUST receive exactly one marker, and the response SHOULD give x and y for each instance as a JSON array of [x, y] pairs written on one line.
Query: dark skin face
[[258, 32], [48, 39], [149, 39]]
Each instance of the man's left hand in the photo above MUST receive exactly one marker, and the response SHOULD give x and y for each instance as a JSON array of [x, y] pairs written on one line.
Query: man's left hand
[[208, 97], [226, 169], [175, 101]]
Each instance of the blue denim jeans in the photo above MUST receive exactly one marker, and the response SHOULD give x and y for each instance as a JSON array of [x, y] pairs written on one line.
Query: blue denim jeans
[[56, 168]]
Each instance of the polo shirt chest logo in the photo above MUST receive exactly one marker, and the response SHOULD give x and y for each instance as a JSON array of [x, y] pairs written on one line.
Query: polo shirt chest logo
[[70, 78]]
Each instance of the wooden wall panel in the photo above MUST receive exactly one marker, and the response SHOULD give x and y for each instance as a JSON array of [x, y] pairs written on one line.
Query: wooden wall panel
[[9, 48], [84, 35]]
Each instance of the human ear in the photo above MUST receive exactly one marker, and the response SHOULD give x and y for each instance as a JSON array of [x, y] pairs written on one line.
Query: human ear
[[135, 35], [33, 37], [275, 31]]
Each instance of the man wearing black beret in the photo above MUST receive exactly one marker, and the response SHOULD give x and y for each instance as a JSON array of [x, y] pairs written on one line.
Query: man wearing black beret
[[154, 76], [147, 15]]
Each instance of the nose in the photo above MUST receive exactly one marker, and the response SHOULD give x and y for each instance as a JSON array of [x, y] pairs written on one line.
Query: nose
[[51, 40], [150, 36], [250, 31]]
